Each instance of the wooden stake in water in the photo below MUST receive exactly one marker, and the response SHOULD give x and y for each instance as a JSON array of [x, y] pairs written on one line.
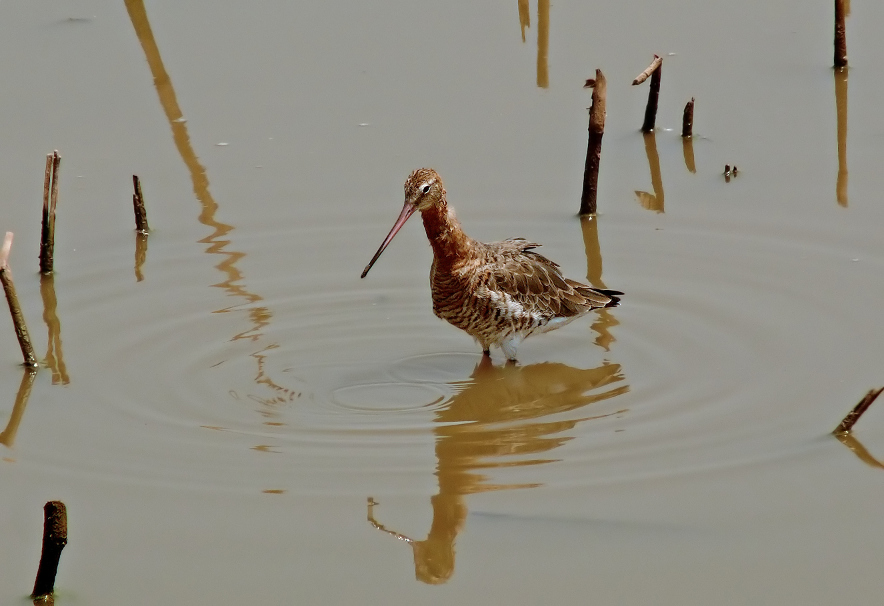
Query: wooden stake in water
[[50, 199], [654, 71], [840, 34], [18, 320], [687, 120], [140, 212], [597, 113], [55, 537], [853, 416]]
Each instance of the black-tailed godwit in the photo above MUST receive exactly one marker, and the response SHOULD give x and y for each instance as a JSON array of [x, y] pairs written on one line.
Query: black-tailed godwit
[[501, 292]]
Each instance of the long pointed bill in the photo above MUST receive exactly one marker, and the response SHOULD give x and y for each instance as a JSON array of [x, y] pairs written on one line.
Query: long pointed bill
[[407, 211]]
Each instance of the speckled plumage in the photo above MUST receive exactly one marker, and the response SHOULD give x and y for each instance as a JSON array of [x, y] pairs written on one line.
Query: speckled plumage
[[500, 292]]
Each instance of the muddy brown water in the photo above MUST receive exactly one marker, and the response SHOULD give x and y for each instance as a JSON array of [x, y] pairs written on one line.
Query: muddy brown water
[[232, 416]]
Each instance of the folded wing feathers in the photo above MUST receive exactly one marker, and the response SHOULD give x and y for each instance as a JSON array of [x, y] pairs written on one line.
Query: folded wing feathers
[[537, 283]]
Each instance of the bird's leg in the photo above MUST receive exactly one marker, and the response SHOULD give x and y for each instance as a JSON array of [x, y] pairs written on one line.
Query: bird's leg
[[509, 346]]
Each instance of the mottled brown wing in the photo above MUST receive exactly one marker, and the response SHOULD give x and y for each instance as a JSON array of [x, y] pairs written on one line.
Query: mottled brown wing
[[537, 283]]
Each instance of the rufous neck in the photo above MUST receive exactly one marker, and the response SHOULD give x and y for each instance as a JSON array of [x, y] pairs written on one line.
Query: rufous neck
[[448, 240]]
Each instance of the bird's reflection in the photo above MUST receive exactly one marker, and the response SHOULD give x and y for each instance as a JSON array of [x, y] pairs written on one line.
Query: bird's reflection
[[503, 416], [652, 201]]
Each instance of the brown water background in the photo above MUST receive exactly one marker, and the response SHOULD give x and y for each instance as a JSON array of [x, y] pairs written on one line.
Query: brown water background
[[232, 416]]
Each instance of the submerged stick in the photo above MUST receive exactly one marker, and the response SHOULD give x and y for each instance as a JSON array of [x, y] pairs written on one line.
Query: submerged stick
[[853, 416], [654, 70], [840, 34], [18, 320], [55, 537], [50, 200], [687, 120], [594, 143], [140, 212]]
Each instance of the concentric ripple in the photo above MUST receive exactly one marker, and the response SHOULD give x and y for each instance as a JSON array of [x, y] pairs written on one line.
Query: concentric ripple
[[306, 379]]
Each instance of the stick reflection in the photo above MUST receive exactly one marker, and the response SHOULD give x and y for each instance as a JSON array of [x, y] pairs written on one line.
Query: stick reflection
[[54, 359], [652, 201], [859, 450], [841, 106], [7, 436], [542, 37], [687, 144], [499, 418], [605, 320], [140, 254], [259, 316]]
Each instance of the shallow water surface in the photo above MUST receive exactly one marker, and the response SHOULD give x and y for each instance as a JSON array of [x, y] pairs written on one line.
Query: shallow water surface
[[231, 415]]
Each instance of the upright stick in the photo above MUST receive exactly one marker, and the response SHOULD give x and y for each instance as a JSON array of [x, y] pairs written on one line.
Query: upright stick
[[594, 143], [654, 70], [140, 212], [50, 200], [55, 537], [18, 320], [687, 120], [840, 34]]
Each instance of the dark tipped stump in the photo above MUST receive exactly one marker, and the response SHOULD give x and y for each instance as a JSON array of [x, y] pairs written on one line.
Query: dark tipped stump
[[55, 537], [594, 144], [840, 34], [50, 200], [140, 212], [654, 70]]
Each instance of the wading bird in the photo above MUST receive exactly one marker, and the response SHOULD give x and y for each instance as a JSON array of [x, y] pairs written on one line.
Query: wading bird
[[500, 293]]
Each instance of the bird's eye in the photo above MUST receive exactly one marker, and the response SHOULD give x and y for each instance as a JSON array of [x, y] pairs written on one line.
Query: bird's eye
[[426, 188]]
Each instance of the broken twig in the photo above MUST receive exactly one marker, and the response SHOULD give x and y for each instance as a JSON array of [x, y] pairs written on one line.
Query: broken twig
[[657, 62]]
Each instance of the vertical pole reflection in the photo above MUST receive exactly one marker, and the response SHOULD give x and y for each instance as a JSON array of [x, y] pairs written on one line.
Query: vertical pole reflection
[[687, 144], [140, 254], [524, 17], [655, 201], [259, 316], [54, 354], [841, 107], [7, 436], [605, 320], [542, 43]]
